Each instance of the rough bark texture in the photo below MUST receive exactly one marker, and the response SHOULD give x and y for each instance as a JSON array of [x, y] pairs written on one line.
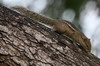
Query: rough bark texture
[[24, 42]]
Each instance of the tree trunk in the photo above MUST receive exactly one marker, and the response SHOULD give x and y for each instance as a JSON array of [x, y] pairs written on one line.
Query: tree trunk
[[25, 42]]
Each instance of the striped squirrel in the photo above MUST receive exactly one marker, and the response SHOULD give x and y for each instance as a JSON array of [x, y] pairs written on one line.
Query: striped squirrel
[[65, 27]]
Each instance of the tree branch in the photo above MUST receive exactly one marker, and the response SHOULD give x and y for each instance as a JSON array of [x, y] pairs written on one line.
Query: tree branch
[[25, 42]]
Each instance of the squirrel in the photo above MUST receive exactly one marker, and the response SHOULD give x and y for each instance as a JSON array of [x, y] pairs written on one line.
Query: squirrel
[[65, 27]]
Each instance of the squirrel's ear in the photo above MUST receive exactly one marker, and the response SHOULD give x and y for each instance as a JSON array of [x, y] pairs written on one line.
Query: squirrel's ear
[[86, 39]]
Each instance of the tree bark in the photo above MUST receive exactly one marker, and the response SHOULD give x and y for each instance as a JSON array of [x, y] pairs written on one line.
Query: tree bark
[[25, 42]]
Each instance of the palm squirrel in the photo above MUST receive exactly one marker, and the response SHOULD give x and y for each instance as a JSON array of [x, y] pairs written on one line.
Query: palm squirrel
[[65, 27]]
